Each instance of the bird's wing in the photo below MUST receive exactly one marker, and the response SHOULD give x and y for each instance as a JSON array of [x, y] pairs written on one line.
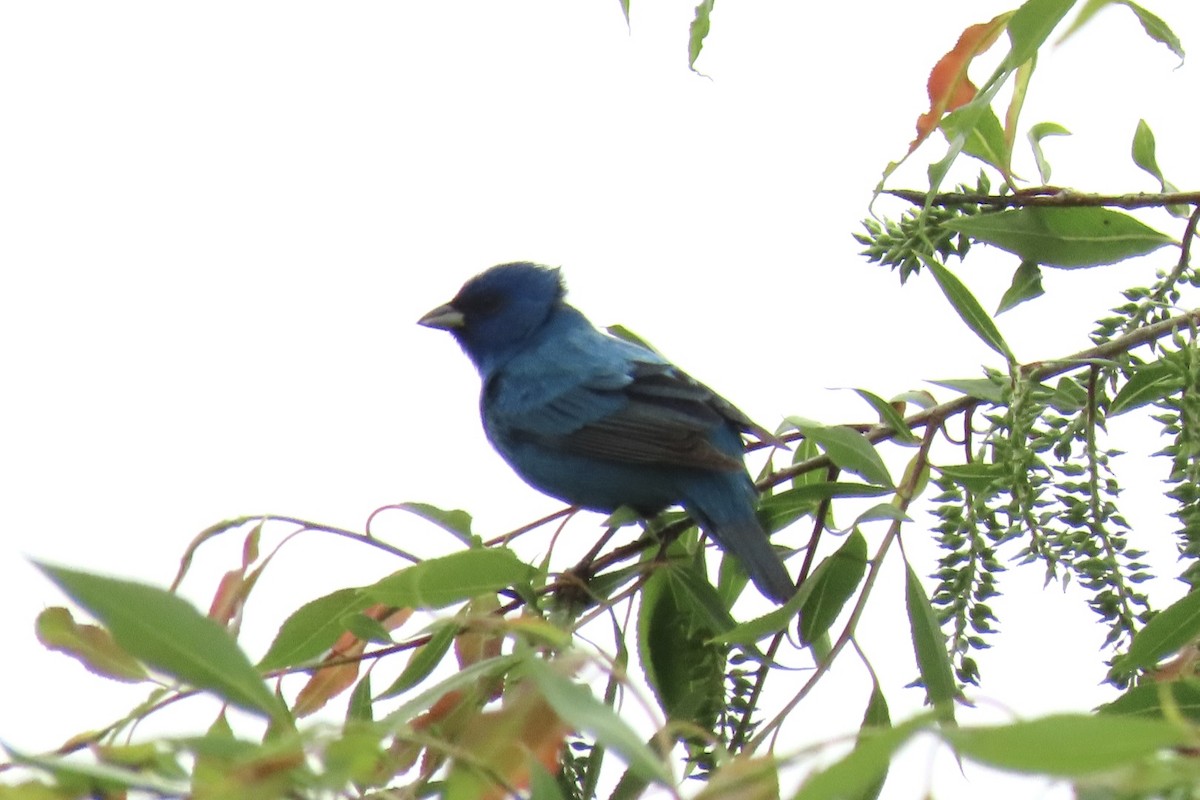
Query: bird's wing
[[611, 400]]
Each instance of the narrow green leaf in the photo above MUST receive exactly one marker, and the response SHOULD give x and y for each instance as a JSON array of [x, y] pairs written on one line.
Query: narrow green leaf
[[1147, 699], [1067, 744], [834, 582], [1167, 632], [360, 708], [750, 631], [863, 767], [984, 140], [969, 309], [580, 709], [1031, 26], [1038, 132], [1026, 285], [978, 476], [625, 10], [423, 660], [888, 415], [929, 644], [91, 645], [979, 388], [1155, 28], [888, 511], [1149, 383], [466, 679], [698, 31], [1069, 396], [1144, 151], [847, 448], [1063, 237], [312, 629], [440, 582], [876, 717], [1089, 10], [453, 521], [779, 510], [102, 780], [166, 633]]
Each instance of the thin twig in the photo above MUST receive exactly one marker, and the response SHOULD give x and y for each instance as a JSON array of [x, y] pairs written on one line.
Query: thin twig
[[1048, 196]]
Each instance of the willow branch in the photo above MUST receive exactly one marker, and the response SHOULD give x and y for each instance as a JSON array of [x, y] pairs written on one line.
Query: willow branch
[[1049, 196]]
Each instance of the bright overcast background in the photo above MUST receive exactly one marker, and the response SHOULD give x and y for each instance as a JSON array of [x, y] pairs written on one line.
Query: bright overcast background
[[220, 220]]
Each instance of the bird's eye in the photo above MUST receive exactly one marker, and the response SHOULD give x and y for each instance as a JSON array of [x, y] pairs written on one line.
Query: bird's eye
[[479, 305]]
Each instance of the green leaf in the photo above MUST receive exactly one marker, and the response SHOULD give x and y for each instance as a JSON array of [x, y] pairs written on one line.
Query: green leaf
[[1069, 396], [1167, 632], [440, 582], [360, 708], [96, 780], [312, 629], [834, 582], [1026, 285], [856, 774], [466, 679], [983, 140], [1144, 152], [888, 511], [423, 660], [625, 10], [1063, 237], [453, 521], [968, 308], [1066, 744], [979, 388], [750, 631], [698, 31], [1149, 383], [91, 645], [580, 709], [929, 644], [1155, 28], [847, 448], [875, 718], [779, 510], [682, 666], [1038, 132], [978, 476], [1031, 26], [1144, 156], [1147, 699], [888, 415], [166, 633]]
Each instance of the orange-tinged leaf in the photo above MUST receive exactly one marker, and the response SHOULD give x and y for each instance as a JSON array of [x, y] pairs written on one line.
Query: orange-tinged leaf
[[438, 711], [328, 682], [230, 595], [949, 87], [90, 645], [505, 743]]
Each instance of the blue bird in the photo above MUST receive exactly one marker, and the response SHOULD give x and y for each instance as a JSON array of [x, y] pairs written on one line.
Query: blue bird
[[599, 422]]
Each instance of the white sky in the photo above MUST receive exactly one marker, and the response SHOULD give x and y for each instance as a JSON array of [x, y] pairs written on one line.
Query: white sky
[[219, 221]]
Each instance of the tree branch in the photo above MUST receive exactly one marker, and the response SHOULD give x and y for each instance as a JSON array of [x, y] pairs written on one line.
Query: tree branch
[[1048, 196]]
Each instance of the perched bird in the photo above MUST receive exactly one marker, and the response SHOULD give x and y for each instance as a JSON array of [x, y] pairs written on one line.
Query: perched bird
[[600, 422]]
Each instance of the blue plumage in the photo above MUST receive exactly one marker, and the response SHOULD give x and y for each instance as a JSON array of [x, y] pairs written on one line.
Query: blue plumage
[[599, 422]]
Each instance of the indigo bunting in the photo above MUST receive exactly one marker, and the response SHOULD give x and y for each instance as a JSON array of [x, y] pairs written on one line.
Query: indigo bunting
[[599, 422]]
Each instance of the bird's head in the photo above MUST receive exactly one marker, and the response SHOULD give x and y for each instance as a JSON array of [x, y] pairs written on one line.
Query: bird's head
[[495, 312]]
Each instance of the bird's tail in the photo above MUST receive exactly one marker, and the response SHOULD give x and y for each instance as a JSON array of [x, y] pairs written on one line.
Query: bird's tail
[[736, 529]]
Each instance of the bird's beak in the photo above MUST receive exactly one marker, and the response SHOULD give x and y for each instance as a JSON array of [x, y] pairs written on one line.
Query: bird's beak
[[447, 318]]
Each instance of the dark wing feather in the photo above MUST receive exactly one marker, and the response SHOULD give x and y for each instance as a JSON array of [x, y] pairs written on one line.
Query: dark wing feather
[[666, 418]]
